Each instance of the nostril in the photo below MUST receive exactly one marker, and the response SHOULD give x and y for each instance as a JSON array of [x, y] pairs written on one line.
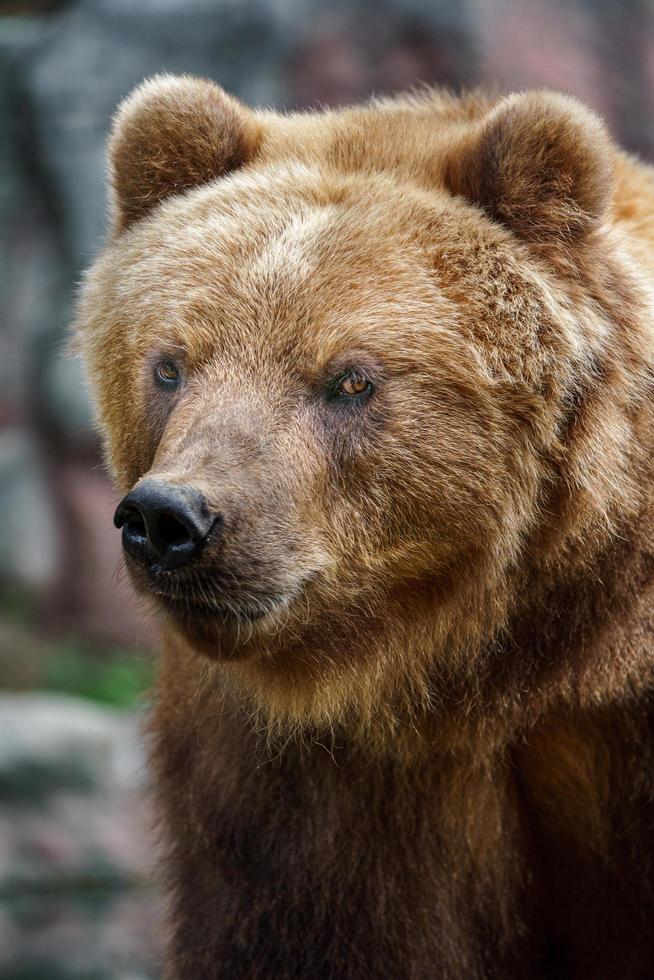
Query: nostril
[[131, 520], [135, 525], [172, 531]]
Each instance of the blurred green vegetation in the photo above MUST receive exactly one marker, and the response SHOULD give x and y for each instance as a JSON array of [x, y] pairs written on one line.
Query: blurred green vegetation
[[30, 660], [119, 678]]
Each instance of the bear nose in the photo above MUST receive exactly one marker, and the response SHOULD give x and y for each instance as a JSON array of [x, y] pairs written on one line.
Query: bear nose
[[164, 526]]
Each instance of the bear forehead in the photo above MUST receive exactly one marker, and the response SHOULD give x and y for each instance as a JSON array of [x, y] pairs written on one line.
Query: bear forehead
[[317, 267]]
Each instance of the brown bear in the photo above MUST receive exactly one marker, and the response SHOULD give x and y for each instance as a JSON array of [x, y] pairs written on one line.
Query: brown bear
[[377, 385]]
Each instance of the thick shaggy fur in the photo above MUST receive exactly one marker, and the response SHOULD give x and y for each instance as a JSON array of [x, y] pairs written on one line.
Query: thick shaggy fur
[[404, 723]]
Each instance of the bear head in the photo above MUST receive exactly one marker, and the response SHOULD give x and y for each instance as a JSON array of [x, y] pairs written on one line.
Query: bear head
[[339, 360]]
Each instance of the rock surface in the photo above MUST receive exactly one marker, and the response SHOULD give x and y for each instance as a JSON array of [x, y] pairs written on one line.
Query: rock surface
[[77, 899]]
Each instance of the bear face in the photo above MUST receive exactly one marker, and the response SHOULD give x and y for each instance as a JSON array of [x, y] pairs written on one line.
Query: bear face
[[365, 367]]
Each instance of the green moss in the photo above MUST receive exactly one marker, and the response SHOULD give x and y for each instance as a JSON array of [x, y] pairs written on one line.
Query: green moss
[[71, 664], [116, 677]]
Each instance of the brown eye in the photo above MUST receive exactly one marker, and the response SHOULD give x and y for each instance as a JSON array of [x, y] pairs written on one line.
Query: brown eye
[[353, 384], [167, 373]]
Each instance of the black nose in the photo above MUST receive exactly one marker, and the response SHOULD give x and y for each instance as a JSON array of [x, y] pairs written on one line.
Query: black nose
[[164, 526]]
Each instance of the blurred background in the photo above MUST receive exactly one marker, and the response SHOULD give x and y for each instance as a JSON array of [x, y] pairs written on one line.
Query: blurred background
[[77, 899]]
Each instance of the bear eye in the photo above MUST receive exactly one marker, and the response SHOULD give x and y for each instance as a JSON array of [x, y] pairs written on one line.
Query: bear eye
[[352, 385], [167, 373]]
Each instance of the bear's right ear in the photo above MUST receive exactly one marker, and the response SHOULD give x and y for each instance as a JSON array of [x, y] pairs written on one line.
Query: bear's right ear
[[170, 134]]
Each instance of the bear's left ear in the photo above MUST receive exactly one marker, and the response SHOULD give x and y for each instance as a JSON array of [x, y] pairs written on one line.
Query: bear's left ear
[[541, 163], [172, 133]]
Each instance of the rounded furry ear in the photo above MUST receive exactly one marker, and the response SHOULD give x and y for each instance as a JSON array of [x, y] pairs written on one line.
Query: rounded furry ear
[[172, 133], [541, 163]]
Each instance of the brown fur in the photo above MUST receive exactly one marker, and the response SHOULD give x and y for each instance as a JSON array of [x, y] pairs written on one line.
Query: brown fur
[[432, 755]]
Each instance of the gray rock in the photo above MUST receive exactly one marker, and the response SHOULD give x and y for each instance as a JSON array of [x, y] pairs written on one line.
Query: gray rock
[[61, 735], [72, 805], [76, 895]]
